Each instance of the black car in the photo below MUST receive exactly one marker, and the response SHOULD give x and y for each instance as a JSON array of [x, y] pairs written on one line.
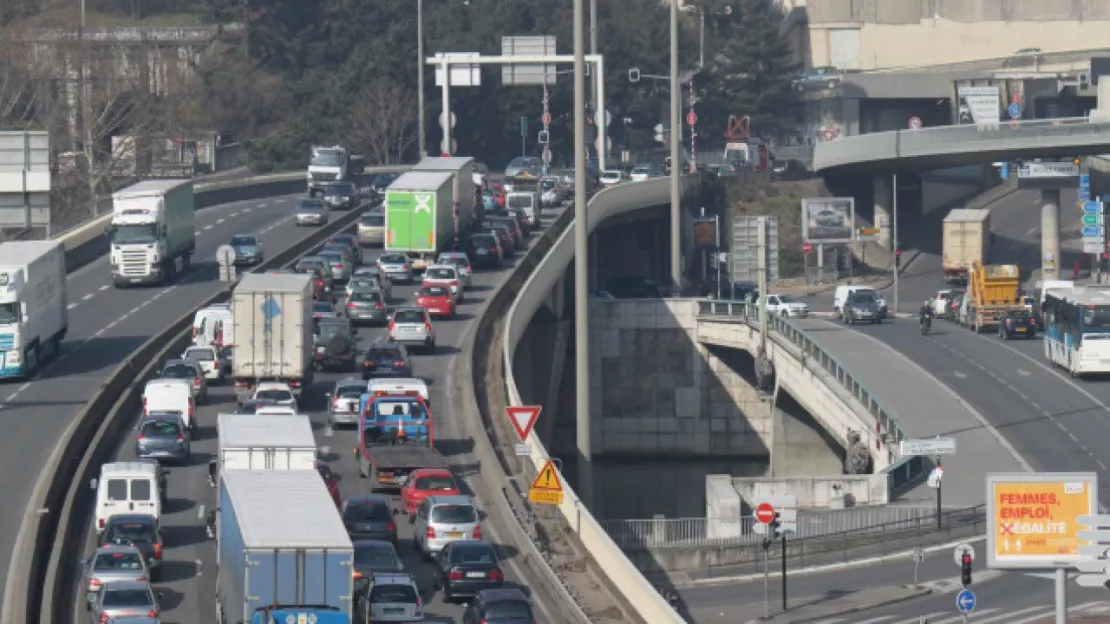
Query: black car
[[466, 567], [373, 557], [163, 437], [862, 307], [504, 237], [484, 251], [369, 517], [333, 344], [633, 287], [512, 226], [1017, 323], [386, 359], [517, 212], [382, 182], [499, 606], [341, 195], [140, 531]]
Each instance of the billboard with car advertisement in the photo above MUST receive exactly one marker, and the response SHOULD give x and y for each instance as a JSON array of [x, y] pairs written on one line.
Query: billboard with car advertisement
[[828, 219]]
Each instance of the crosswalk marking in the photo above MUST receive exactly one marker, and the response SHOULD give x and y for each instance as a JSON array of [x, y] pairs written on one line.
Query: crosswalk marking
[[927, 616], [1010, 615], [876, 620], [960, 618]]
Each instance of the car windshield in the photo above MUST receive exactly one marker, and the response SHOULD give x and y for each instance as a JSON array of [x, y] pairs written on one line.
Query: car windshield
[[243, 241], [274, 394], [308, 204], [180, 370], [200, 355], [324, 331], [408, 316], [863, 298], [126, 598], [520, 201], [126, 532], [393, 594], [393, 258], [440, 273], [483, 240], [433, 291], [374, 220], [333, 257], [118, 561], [384, 179], [160, 429], [509, 610], [338, 190], [472, 554], [371, 296], [435, 484], [547, 185], [351, 391], [367, 512], [252, 407], [454, 514], [374, 556], [365, 283], [787, 299]]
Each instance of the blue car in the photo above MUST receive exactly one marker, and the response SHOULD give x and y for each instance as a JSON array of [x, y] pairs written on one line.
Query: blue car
[[386, 359]]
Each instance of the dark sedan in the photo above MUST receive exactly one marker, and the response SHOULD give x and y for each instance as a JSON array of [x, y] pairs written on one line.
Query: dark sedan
[[386, 360], [163, 437], [341, 195], [374, 557], [484, 250], [862, 307], [369, 517], [1017, 323], [466, 567], [367, 307]]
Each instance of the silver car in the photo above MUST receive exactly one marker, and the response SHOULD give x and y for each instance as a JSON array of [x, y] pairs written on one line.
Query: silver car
[[163, 437], [412, 327], [366, 306], [443, 519], [123, 599], [361, 284], [391, 598], [397, 266], [344, 400], [340, 264], [460, 261], [311, 212], [112, 563], [375, 271]]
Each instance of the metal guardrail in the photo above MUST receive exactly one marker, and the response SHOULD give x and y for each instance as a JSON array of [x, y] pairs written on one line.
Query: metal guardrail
[[902, 470], [693, 532]]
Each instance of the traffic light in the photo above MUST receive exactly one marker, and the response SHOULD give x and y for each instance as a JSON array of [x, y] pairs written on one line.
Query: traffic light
[[965, 569], [544, 137], [897, 258], [773, 532]]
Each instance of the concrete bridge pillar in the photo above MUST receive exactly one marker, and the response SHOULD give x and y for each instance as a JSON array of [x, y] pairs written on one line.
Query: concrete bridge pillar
[[1050, 234], [884, 204]]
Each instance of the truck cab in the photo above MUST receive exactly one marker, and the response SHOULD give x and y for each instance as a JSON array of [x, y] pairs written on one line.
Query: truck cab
[[387, 418], [33, 310], [152, 233], [328, 164]]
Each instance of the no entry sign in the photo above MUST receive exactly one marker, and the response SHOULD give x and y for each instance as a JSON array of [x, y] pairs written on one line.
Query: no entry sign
[[765, 513]]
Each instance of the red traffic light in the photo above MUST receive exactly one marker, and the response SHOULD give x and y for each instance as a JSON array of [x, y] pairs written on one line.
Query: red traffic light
[[897, 252], [1105, 256], [966, 559]]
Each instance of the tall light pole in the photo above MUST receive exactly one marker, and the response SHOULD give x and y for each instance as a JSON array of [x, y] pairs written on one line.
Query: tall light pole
[[581, 271], [676, 161], [423, 151], [593, 50]]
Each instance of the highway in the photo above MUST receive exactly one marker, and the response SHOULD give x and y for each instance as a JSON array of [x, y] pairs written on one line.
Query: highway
[[105, 325], [189, 579]]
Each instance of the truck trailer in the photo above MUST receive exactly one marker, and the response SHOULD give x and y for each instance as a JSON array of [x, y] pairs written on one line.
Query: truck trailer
[[152, 232], [419, 215], [993, 291], [252, 442], [462, 167], [34, 312], [272, 318], [282, 547], [966, 241]]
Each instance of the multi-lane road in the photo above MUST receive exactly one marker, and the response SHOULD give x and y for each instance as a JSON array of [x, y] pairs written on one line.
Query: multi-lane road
[[189, 578]]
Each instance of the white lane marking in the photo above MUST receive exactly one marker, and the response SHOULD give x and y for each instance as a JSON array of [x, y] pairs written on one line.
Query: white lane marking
[[234, 214], [103, 288], [978, 612], [1031, 231], [87, 297], [1008, 617], [24, 387], [1023, 373], [200, 512], [198, 232], [245, 210], [959, 375], [219, 221], [207, 227], [917, 620], [71, 306]]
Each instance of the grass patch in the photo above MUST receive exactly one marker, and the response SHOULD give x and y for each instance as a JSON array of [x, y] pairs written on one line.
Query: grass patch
[[169, 20], [755, 195]]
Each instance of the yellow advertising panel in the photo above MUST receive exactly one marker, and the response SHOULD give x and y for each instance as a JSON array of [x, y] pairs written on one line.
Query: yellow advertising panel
[[1032, 518]]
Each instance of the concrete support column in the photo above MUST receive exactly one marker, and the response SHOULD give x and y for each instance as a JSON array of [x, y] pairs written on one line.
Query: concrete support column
[[1050, 234], [884, 202]]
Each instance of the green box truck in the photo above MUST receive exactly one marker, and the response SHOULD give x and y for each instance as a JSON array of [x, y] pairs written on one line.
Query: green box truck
[[419, 215]]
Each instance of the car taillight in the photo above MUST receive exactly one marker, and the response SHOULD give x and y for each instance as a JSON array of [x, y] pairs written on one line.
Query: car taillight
[[392, 326], [392, 526], [455, 575], [152, 614], [180, 437], [368, 364], [399, 363], [194, 333], [421, 300], [350, 305], [477, 532], [95, 584], [496, 575], [453, 283], [379, 306], [319, 282], [357, 575], [104, 618], [140, 438], [294, 384], [430, 533], [100, 523], [192, 407], [196, 381], [428, 326]]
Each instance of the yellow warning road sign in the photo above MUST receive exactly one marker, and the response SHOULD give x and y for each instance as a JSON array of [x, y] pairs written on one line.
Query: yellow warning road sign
[[545, 497], [547, 489]]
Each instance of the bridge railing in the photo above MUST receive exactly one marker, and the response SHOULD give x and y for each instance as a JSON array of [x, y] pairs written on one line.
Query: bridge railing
[[902, 470]]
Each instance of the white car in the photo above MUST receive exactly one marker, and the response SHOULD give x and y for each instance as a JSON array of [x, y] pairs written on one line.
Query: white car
[[550, 197], [208, 359], [785, 305], [277, 391], [940, 301], [641, 173], [275, 410], [611, 177], [447, 276]]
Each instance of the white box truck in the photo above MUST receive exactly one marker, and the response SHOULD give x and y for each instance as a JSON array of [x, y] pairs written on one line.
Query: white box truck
[[419, 215], [253, 442], [34, 312], [153, 231], [462, 167], [272, 318], [966, 241]]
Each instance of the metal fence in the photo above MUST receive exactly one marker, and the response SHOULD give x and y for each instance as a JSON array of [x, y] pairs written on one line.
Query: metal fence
[[671, 532]]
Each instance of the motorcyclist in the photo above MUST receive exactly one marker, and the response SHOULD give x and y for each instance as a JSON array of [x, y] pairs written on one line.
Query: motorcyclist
[[926, 313]]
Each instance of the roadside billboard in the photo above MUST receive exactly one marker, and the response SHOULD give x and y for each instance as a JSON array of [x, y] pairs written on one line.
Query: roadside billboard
[[828, 219], [1031, 518]]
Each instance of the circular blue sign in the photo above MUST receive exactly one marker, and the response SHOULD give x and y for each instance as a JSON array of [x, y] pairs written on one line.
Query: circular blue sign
[[965, 601], [1014, 110]]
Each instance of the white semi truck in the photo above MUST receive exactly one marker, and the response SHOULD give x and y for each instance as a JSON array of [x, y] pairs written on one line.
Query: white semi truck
[[331, 164], [34, 312], [153, 231]]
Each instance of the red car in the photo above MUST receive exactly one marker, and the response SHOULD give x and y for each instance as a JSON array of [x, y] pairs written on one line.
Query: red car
[[426, 482], [330, 481], [437, 300]]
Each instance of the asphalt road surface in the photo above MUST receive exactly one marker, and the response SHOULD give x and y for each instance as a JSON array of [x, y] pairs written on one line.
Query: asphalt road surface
[[189, 577]]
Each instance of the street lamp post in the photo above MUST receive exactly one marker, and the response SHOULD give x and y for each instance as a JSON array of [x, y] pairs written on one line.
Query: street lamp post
[[676, 162], [423, 151]]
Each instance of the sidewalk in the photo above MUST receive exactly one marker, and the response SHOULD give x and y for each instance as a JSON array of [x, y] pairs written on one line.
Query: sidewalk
[[806, 608]]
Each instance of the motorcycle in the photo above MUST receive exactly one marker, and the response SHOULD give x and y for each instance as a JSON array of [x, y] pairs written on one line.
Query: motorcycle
[[926, 324]]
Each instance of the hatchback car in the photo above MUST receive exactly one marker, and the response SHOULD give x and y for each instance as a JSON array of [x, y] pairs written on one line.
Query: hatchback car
[[320, 268], [209, 360], [163, 437], [371, 228], [362, 283], [375, 271], [340, 261], [443, 519], [425, 482], [513, 226], [350, 240], [461, 263], [397, 266], [412, 327], [190, 371], [139, 531], [447, 276], [333, 344], [1017, 323], [113, 562], [374, 557], [311, 212], [381, 182], [386, 359], [369, 517], [248, 249], [323, 310], [504, 237], [341, 195], [437, 300], [366, 307], [485, 250], [251, 406], [122, 599], [390, 598], [277, 391], [466, 567], [344, 400], [507, 605], [611, 177], [331, 482]]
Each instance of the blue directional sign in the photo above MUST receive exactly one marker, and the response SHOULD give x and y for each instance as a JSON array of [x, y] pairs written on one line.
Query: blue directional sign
[[1014, 110], [1084, 187], [1092, 231], [1004, 170], [965, 601], [271, 309], [1092, 207]]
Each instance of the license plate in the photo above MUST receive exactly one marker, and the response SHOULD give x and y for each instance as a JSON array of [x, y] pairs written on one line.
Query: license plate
[[385, 477], [1020, 329], [475, 575], [392, 610], [454, 534]]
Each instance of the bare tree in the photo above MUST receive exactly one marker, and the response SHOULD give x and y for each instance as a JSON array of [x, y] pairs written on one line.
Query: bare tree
[[383, 121], [17, 78]]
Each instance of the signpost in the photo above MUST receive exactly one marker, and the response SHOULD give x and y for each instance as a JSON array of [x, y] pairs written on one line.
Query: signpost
[[1094, 231], [915, 123], [917, 557], [523, 419], [936, 447], [807, 248], [765, 513], [1095, 564], [775, 517], [965, 602], [547, 488], [225, 259]]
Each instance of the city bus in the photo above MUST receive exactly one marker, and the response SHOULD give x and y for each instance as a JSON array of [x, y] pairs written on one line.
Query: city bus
[[1077, 329]]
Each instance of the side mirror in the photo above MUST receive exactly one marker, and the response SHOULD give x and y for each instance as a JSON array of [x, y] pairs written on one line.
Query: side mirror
[[396, 511], [327, 394], [92, 483]]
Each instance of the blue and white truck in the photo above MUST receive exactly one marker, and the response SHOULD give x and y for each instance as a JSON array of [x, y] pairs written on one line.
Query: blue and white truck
[[34, 312], [283, 550]]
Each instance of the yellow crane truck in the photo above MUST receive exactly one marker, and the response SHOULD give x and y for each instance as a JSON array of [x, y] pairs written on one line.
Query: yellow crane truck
[[992, 292]]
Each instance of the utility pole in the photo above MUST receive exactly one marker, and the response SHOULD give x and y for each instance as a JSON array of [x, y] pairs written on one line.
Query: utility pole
[[581, 271], [676, 159], [761, 280], [423, 149], [897, 246]]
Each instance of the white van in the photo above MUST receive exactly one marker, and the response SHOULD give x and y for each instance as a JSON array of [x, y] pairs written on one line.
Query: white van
[[528, 201], [843, 291], [127, 488], [213, 327], [417, 387], [173, 396]]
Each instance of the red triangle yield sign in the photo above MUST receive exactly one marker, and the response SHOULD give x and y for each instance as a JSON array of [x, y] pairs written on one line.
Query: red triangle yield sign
[[523, 418]]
